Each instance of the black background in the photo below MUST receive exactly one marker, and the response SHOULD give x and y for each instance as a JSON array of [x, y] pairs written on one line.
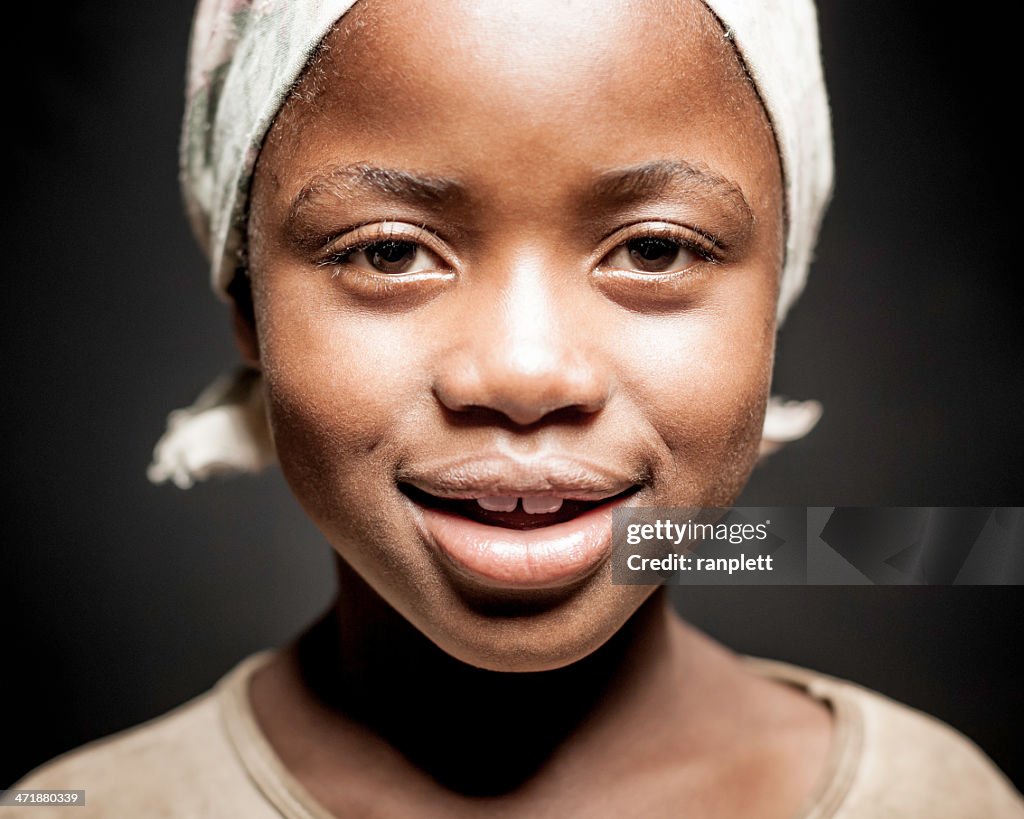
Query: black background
[[121, 600]]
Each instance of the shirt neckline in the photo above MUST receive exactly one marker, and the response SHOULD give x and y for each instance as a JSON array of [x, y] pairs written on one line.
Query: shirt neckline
[[845, 752], [293, 801]]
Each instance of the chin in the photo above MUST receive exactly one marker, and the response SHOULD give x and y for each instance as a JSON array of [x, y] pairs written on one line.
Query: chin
[[530, 636]]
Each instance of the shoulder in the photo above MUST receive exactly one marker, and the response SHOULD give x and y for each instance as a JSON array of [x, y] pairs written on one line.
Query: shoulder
[[178, 764], [899, 761], [913, 761]]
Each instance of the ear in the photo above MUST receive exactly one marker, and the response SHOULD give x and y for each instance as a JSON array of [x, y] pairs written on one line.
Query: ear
[[245, 338], [244, 321]]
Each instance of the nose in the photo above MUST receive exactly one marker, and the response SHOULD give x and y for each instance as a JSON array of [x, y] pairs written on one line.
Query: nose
[[521, 348]]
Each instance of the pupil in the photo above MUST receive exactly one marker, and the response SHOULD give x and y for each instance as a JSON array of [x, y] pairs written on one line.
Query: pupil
[[652, 252], [392, 255]]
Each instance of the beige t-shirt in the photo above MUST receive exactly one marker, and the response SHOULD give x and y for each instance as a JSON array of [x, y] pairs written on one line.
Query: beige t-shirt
[[207, 759]]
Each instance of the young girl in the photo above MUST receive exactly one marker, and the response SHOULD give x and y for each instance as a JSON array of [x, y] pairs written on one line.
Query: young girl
[[497, 269]]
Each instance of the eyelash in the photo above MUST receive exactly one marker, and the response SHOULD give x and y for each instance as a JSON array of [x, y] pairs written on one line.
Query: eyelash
[[707, 246], [378, 232]]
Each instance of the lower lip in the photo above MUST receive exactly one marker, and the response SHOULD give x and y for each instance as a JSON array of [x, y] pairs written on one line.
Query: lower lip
[[539, 558]]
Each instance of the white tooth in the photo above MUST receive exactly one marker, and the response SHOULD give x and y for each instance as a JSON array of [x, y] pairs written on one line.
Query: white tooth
[[541, 505], [498, 503]]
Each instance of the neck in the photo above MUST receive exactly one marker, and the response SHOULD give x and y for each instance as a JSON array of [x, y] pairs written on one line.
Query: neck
[[474, 730]]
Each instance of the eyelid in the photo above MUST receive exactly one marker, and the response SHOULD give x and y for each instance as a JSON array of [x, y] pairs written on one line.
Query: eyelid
[[705, 245], [358, 237]]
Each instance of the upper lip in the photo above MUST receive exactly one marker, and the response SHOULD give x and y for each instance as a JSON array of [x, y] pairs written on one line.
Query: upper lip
[[562, 476]]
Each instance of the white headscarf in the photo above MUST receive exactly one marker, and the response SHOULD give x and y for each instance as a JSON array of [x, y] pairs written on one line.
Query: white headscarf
[[244, 58]]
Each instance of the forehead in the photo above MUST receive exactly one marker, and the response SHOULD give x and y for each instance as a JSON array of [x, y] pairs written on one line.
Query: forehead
[[524, 47], [540, 86]]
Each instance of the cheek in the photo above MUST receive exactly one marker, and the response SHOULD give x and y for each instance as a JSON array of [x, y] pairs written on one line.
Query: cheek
[[339, 388], [702, 387]]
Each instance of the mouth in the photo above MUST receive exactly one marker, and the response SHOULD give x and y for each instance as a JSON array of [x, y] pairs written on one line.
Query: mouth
[[513, 512], [527, 541]]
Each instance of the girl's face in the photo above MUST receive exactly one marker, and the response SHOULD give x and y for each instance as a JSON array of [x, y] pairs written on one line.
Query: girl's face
[[509, 250]]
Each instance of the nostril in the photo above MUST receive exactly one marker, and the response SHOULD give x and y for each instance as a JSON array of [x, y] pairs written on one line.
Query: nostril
[[520, 391], [479, 414]]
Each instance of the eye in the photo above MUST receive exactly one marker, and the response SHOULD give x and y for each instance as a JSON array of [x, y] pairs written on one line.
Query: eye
[[653, 254], [393, 256]]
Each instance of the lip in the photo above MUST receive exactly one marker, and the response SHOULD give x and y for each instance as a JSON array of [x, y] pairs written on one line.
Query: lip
[[480, 476], [540, 558], [537, 558]]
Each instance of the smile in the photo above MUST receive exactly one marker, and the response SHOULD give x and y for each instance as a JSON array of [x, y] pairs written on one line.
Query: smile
[[509, 511], [511, 524]]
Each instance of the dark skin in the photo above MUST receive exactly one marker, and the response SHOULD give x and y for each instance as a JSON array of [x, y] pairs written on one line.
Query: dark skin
[[462, 239]]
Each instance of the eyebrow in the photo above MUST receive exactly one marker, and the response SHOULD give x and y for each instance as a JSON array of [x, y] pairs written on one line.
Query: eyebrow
[[430, 191], [651, 179], [620, 186]]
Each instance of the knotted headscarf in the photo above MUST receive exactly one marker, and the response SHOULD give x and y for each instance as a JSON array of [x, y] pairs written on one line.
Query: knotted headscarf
[[244, 58]]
